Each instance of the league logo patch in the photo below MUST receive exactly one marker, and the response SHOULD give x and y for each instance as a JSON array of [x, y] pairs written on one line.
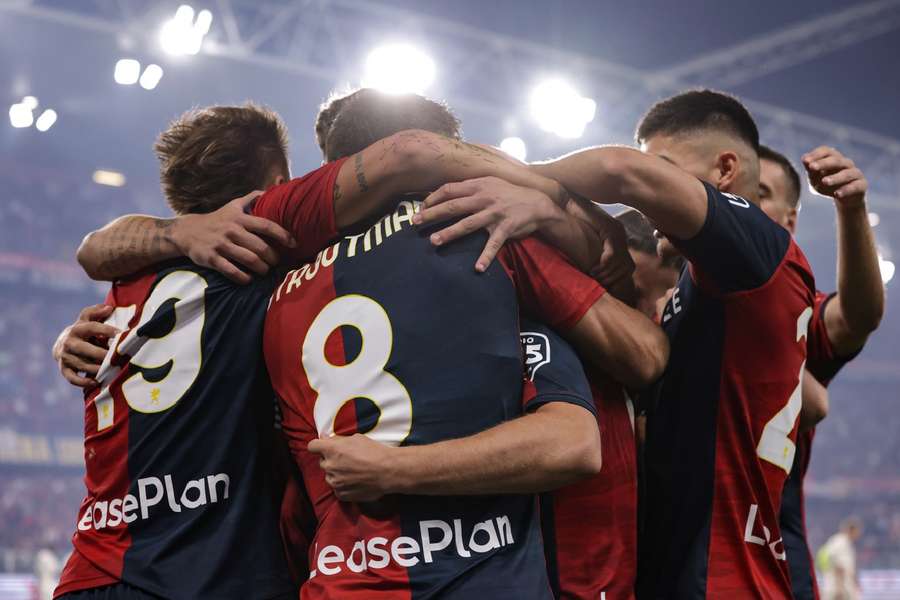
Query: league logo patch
[[536, 347]]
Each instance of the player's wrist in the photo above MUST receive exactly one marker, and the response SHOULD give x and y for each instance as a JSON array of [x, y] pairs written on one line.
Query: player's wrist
[[853, 205], [177, 241], [398, 476]]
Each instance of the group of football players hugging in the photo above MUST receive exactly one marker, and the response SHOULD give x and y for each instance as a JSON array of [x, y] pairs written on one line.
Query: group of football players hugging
[[482, 384]]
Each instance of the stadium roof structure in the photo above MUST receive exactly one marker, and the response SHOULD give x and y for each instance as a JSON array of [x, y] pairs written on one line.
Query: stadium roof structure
[[489, 70]]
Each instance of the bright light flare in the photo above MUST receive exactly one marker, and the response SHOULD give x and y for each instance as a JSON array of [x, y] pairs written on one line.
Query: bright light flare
[[560, 109], [31, 102], [20, 115], [110, 178], [887, 269], [46, 120], [874, 219], [182, 34], [398, 69], [127, 71], [151, 76], [515, 147]]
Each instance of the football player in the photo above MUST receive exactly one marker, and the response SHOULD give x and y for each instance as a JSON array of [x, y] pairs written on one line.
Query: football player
[[722, 420], [848, 315]]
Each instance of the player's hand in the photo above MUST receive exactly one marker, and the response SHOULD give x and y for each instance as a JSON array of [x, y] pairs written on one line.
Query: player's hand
[[356, 467], [616, 267], [833, 174], [229, 237], [505, 210], [663, 300], [82, 346]]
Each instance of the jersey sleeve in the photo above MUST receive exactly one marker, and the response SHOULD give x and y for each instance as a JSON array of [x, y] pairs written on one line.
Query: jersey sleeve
[[821, 360], [548, 287], [553, 372], [739, 247], [305, 207]]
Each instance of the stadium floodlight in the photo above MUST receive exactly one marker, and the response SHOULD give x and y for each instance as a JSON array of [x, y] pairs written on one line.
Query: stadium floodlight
[[31, 102], [110, 178], [127, 71], [21, 115], [46, 120], [515, 147], [151, 76], [560, 109], [182, 34], [398, 69], [887, 269]]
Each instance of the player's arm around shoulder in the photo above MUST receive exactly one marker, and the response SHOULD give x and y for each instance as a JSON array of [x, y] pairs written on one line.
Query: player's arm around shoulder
[[415, 161], [674, 200], [224, 240], [622, 342]]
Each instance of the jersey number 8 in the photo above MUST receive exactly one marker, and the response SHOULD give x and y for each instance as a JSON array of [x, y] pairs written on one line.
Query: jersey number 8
[[364, 376]]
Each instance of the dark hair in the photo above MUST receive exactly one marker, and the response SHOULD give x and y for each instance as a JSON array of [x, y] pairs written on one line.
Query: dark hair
[[793, 177], [328, 110], [212, 155], [699, 110], [368, 115], [640, 236]]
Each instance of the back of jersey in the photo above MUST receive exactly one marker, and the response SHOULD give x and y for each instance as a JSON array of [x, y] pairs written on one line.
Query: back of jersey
[[178, 444], [387, 336]]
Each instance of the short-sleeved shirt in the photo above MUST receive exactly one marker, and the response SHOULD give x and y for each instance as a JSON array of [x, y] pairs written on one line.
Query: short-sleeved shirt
[[178, 445], [589, 527], [722, 420], [553, 371], [824, 364], [386, 335], [305, 207]]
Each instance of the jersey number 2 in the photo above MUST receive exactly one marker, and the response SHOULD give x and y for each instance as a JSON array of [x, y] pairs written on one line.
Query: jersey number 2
[[364, 376], [775, 445]]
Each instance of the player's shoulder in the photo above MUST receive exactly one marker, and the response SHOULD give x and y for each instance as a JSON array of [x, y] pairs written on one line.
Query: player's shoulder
[[748, 216], [181, 278]]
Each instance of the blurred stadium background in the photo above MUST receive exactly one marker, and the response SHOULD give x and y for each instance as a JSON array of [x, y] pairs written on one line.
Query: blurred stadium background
[[542, 79]]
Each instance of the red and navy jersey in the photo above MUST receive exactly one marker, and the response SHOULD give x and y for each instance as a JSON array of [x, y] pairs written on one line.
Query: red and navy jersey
[[305, 207], [824, 365], [589, 527], [722, 420], [178, 445], [553, 371], [386, 335]]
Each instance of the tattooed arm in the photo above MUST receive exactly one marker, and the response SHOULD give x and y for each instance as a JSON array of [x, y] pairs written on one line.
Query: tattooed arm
[[409, 161], [421, 161], [219, 240], [125, 244]]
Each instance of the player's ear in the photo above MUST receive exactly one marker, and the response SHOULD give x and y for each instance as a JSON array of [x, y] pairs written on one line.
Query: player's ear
[[792, 220], [727, 170]]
